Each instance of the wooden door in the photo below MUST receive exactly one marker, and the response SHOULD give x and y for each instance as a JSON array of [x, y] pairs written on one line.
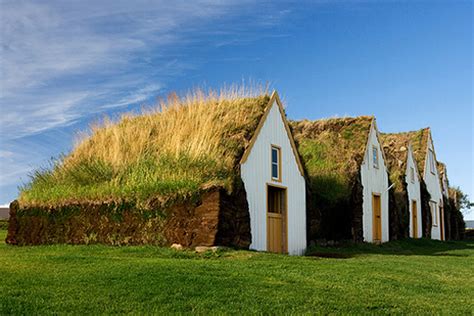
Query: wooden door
[[377, 219], [414, 218], [276, 219]]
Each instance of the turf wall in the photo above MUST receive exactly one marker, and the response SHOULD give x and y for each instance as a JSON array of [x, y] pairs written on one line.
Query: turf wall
[[188, 223]]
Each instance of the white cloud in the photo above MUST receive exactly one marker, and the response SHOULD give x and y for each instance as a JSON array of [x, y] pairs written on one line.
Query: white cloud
[[137, 96], [63, 60]]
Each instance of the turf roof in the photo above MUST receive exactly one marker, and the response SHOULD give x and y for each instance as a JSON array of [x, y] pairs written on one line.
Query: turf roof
[[191, 144], [397, 142], [441, 169], [332, 151], [442, 173], [395, 147]]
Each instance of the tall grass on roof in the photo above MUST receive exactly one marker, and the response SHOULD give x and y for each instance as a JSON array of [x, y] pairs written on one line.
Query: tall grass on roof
[[184, 145]]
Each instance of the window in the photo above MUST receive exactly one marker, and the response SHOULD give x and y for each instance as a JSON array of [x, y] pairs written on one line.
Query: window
[[432, 162], [412, 175], [276, 163], [375, 156], [434, 213]]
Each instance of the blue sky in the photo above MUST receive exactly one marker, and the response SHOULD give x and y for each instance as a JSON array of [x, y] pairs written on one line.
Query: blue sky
[[65, 64]]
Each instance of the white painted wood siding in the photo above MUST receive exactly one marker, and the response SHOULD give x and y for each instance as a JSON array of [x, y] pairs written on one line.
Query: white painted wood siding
[[414, 193], [374, 180], [256, 173], [433, 185]]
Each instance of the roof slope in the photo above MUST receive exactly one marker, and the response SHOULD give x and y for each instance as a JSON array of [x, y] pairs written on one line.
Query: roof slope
[[192, 143], [441, 166], [395, 147], [443, 175], [274, 99], [397, 142], [332, 151]]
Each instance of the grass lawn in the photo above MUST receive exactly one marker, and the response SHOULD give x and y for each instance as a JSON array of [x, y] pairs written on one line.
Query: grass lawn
[[421, 276]]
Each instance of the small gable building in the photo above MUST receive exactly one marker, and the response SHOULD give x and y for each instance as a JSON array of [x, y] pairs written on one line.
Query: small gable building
[[274, 181], [213, 170], [405, 207], [347, 178], [425, 155]]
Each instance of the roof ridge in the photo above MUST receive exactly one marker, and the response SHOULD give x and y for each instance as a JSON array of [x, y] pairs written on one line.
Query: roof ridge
[[337, 118]]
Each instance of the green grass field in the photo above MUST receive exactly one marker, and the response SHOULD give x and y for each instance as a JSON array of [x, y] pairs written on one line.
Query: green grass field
[[422, 277]]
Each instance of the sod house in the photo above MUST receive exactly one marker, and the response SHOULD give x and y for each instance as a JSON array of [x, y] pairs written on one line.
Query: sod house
[[405, 207], [271, 168], [454, 225], [443, 178], [204, 170], [425, 156], [347, 178]]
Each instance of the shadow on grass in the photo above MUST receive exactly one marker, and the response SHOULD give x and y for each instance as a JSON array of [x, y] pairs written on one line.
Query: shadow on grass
[[333, 255], [405, 247]]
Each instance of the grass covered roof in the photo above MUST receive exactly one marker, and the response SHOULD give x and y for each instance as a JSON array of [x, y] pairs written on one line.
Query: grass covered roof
[[395, 147], [443, 174], [332, 151], [186, 145], [441, 166], [396, 150]]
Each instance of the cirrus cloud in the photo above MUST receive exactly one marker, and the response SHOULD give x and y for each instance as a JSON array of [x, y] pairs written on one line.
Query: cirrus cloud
[[64, 63]]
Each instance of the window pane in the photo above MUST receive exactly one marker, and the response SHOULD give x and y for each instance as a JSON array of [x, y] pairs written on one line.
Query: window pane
[[375, 156], [432, 161], [275, 171], [274, 155]]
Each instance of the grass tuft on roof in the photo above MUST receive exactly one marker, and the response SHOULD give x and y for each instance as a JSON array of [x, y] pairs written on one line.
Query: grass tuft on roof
[[185, 145]]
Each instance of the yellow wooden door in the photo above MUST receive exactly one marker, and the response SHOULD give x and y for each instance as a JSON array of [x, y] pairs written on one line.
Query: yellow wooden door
[[377, 219], [414, 218], [275, 225], [276, 220]]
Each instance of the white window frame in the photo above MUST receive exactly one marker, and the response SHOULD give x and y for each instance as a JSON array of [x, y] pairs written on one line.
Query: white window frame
[[432, 161], [277, 163], [375, 158]]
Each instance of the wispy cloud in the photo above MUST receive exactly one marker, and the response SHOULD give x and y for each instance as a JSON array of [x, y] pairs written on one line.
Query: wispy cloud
[[63, 63], [137, 96], [62, 60]]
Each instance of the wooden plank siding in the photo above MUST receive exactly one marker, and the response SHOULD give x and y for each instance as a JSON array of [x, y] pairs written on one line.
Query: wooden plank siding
[[374, 181], [414, 196], [433, 185], [256, 174]]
